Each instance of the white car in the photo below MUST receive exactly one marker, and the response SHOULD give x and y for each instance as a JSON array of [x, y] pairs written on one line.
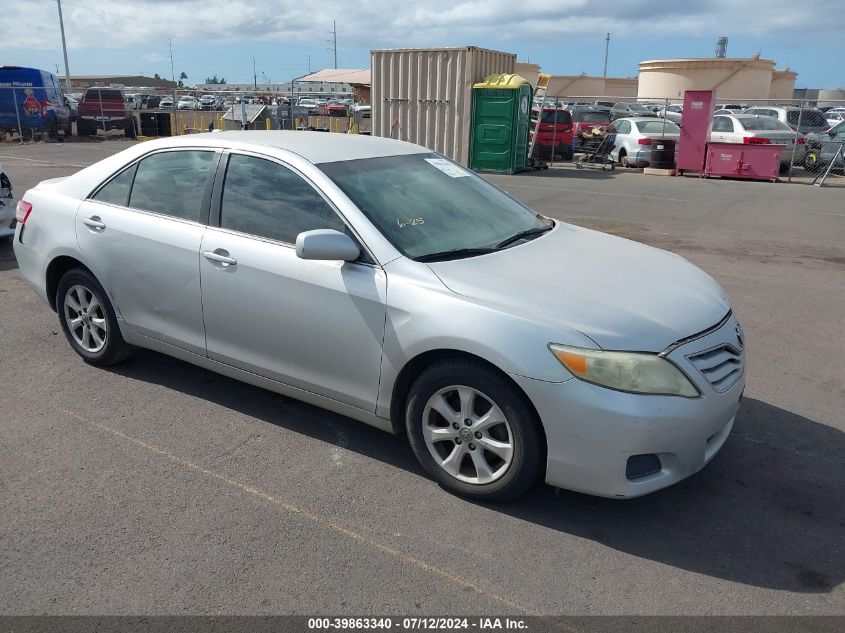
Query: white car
[[166, 103], [834, 117], [187, 102], [634, 137], [7, 206], [352, 272], [752, 129], [672, 112]]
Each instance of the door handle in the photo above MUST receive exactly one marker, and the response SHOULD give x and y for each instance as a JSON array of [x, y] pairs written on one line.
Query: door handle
[[94, 222], [220, 256]]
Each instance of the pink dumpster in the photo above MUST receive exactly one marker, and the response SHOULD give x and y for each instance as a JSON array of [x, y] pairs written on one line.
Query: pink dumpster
[[754, 161]]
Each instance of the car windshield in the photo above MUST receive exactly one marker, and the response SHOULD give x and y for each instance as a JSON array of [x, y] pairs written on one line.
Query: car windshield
[[638, 107], [591, 116], [657, 127], [809, 119], [762, 123], [425, 204]]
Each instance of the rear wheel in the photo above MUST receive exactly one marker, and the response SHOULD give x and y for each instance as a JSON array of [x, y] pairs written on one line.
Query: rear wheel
[[472, 430], [88, 320]]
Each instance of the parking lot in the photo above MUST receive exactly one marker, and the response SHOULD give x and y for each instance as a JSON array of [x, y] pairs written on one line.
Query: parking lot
[[158, 487]]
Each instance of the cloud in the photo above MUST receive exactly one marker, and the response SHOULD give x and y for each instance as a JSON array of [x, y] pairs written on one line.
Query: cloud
[[388, 23]]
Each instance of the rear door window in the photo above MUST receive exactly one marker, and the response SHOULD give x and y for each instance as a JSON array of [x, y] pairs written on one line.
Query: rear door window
[[116, 191], [172, 183]]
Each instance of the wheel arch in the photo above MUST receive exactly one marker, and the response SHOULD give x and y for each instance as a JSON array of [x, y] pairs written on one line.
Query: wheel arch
[[56, 269], [413, 368]]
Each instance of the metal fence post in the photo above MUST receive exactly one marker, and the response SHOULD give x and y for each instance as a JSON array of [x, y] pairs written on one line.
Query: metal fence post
[[102, 115], [665, 110], [795, 141], [554, 130], [18, 117]]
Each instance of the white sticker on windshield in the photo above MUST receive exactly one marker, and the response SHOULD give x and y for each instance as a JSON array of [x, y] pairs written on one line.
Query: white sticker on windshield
[[450, 169]]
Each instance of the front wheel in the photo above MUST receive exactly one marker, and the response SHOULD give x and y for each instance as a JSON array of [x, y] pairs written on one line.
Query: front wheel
[[88, 320], [473, 431]]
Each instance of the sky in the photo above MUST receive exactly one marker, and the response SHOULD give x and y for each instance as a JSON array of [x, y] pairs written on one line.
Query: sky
[[564, 36]]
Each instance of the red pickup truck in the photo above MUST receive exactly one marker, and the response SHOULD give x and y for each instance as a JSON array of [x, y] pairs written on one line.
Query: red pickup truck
[[104, 109]]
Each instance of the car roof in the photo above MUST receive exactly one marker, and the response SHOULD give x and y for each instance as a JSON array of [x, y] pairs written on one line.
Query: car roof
[[315, 147]]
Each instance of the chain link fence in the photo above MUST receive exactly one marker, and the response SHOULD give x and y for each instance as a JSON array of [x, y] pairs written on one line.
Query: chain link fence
[[581, 129]]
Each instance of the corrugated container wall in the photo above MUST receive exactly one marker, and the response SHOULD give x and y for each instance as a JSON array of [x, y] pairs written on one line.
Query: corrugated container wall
[[424, 96]]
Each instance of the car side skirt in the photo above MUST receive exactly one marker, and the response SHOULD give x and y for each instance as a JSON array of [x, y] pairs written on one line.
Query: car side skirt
[[140, 340]]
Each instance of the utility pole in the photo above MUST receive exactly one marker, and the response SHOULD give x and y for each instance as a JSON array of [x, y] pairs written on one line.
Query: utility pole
[[606, 47], [254, 75], [333, 41], [309, 64], [64, 45], [172, 72]]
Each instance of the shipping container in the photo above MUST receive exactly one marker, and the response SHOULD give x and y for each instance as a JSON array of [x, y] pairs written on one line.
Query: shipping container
[[424, 96]]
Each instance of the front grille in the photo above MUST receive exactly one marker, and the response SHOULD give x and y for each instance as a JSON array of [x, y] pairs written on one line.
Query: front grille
[[721, 366]]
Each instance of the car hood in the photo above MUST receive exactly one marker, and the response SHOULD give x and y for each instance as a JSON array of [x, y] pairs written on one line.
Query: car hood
[[622, 294]]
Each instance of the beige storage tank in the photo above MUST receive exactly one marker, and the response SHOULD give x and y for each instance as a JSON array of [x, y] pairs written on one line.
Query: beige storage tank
[[783, 84], [575, 86], [529, 71], [424, 96], [733, 79]]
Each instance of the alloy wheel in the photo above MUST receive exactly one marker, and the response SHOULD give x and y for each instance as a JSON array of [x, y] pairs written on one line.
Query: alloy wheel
[[86, 319], [467, 434]]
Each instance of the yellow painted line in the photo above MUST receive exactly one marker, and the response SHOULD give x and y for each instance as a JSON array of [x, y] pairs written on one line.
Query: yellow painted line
[[311, 516]]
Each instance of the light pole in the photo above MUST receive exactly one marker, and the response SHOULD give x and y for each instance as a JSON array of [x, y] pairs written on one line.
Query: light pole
[[64, 45]]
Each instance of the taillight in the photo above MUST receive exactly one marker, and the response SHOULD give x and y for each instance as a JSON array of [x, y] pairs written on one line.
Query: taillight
[[644, 141], [22, 211], [755, 140], [801, 140]]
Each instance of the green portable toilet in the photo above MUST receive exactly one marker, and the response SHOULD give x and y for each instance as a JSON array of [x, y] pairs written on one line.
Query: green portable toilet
[[501, 116]]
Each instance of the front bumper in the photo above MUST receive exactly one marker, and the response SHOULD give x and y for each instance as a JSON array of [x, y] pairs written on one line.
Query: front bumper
[[7, 217], [592, 431]]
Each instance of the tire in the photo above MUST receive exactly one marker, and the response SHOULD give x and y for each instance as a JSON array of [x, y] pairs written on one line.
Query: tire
[[53, 129], [82, 128], [568, 153], [517, 439], [79, 289], [129, 129]]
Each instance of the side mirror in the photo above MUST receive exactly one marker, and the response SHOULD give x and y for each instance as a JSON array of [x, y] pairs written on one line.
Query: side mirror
[[326, 244]]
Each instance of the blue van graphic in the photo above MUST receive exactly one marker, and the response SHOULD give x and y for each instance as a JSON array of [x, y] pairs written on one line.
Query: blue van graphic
[[32, 102]]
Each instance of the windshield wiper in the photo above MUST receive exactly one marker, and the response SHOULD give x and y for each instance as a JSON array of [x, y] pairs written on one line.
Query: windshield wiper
[[457, 253], [523, 235]]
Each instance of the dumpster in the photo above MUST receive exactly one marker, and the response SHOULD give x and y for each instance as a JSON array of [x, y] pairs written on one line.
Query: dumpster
[[501, 115], [753, 161]]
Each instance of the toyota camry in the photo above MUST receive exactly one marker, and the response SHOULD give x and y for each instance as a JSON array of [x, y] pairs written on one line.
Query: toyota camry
[[380, 280]]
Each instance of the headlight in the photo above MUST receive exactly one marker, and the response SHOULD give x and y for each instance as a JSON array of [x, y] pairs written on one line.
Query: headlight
[[625, 371]]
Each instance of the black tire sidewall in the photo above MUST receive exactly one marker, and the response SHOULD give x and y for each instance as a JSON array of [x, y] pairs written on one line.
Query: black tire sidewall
[[528, 445], [115, 348]]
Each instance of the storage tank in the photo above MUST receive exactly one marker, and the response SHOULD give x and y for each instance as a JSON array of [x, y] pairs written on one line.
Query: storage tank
[[424, 96], [783, 84], [731, 78], [575, 86], [531, 72]]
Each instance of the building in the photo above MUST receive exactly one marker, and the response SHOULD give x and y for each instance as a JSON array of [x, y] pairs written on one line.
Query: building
[[580, 85], [80, 82]]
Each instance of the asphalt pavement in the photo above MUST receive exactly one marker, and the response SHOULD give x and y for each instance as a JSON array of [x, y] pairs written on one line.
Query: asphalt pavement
[[156, 487]]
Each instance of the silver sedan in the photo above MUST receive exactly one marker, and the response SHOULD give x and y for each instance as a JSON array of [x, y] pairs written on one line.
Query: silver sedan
[[382, 281]]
